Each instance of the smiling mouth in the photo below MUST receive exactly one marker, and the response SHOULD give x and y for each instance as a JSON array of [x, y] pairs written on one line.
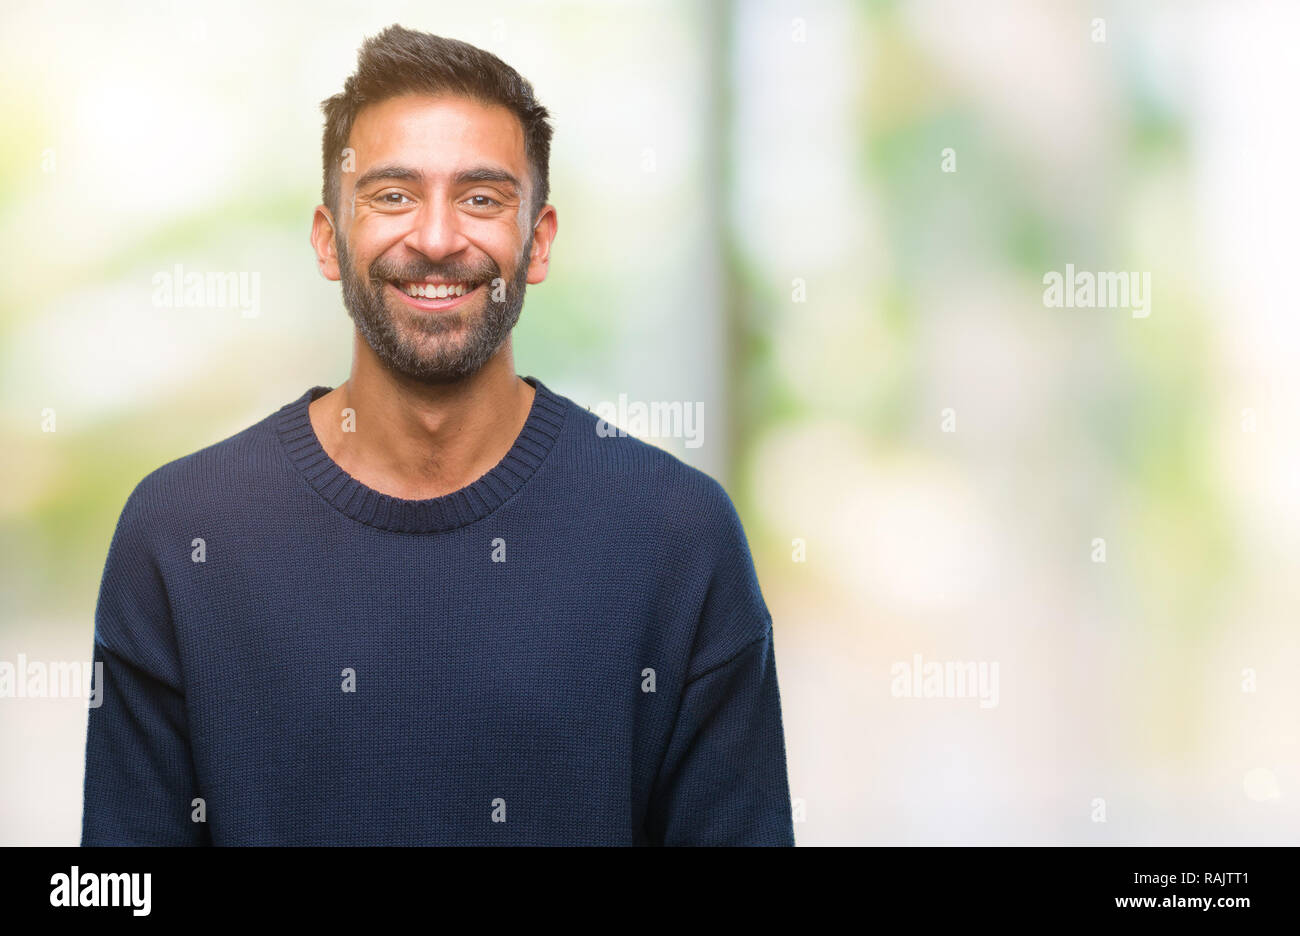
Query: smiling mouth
[[418, 289], [434, 297]]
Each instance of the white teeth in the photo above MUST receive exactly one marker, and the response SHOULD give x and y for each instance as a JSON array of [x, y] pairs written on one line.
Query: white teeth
[[438, 291]]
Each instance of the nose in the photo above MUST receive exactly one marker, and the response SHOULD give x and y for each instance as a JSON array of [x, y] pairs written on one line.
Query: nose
[[436, 230]]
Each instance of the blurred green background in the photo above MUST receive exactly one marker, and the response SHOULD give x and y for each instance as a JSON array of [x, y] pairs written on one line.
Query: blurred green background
[[754, 214]]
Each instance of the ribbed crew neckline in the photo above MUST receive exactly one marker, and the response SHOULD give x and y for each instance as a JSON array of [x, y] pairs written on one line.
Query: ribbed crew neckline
[[433, 515]]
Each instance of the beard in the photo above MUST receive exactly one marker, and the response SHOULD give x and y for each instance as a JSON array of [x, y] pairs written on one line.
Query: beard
[[433, 347]]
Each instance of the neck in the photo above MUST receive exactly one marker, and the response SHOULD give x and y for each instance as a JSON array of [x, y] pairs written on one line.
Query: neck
[[418, 441]]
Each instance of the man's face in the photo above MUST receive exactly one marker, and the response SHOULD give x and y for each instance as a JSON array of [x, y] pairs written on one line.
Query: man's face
[[436, 203]]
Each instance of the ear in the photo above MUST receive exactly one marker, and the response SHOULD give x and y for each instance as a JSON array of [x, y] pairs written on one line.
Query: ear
[[322, 241], [544, 230]]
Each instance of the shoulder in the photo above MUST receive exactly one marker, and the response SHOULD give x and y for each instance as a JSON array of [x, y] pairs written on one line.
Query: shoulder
[[210, 479], [656, 497], [648, 484]]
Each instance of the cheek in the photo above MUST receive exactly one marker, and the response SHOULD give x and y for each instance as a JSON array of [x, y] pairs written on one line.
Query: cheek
[[374, 235], [508, 255], [498, 238]]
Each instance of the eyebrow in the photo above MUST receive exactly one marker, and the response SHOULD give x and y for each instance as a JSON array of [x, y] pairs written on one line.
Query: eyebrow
[[464, 177]]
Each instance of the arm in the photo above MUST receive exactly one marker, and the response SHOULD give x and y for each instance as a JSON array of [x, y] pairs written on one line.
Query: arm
[[723, 780], [140, 778]]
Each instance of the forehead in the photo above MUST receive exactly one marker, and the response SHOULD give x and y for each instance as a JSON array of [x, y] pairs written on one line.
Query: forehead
[[437, 133]]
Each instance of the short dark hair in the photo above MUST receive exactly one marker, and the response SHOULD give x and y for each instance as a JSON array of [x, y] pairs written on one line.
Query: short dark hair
[[402, 61]]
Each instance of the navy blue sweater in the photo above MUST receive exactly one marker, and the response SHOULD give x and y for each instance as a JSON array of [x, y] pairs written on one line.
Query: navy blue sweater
[[573, 649]]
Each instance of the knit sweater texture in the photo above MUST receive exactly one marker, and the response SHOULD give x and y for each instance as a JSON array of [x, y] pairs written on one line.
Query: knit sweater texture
[[571, 650]]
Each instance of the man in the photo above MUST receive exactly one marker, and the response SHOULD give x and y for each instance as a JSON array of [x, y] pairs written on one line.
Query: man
[[433, 605]]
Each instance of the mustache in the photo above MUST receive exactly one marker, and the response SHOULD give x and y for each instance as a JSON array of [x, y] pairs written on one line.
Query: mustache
[[382, 272]]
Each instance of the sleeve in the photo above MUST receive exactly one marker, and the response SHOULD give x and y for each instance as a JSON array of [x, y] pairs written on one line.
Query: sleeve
[[723, 779], [140, 779]]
